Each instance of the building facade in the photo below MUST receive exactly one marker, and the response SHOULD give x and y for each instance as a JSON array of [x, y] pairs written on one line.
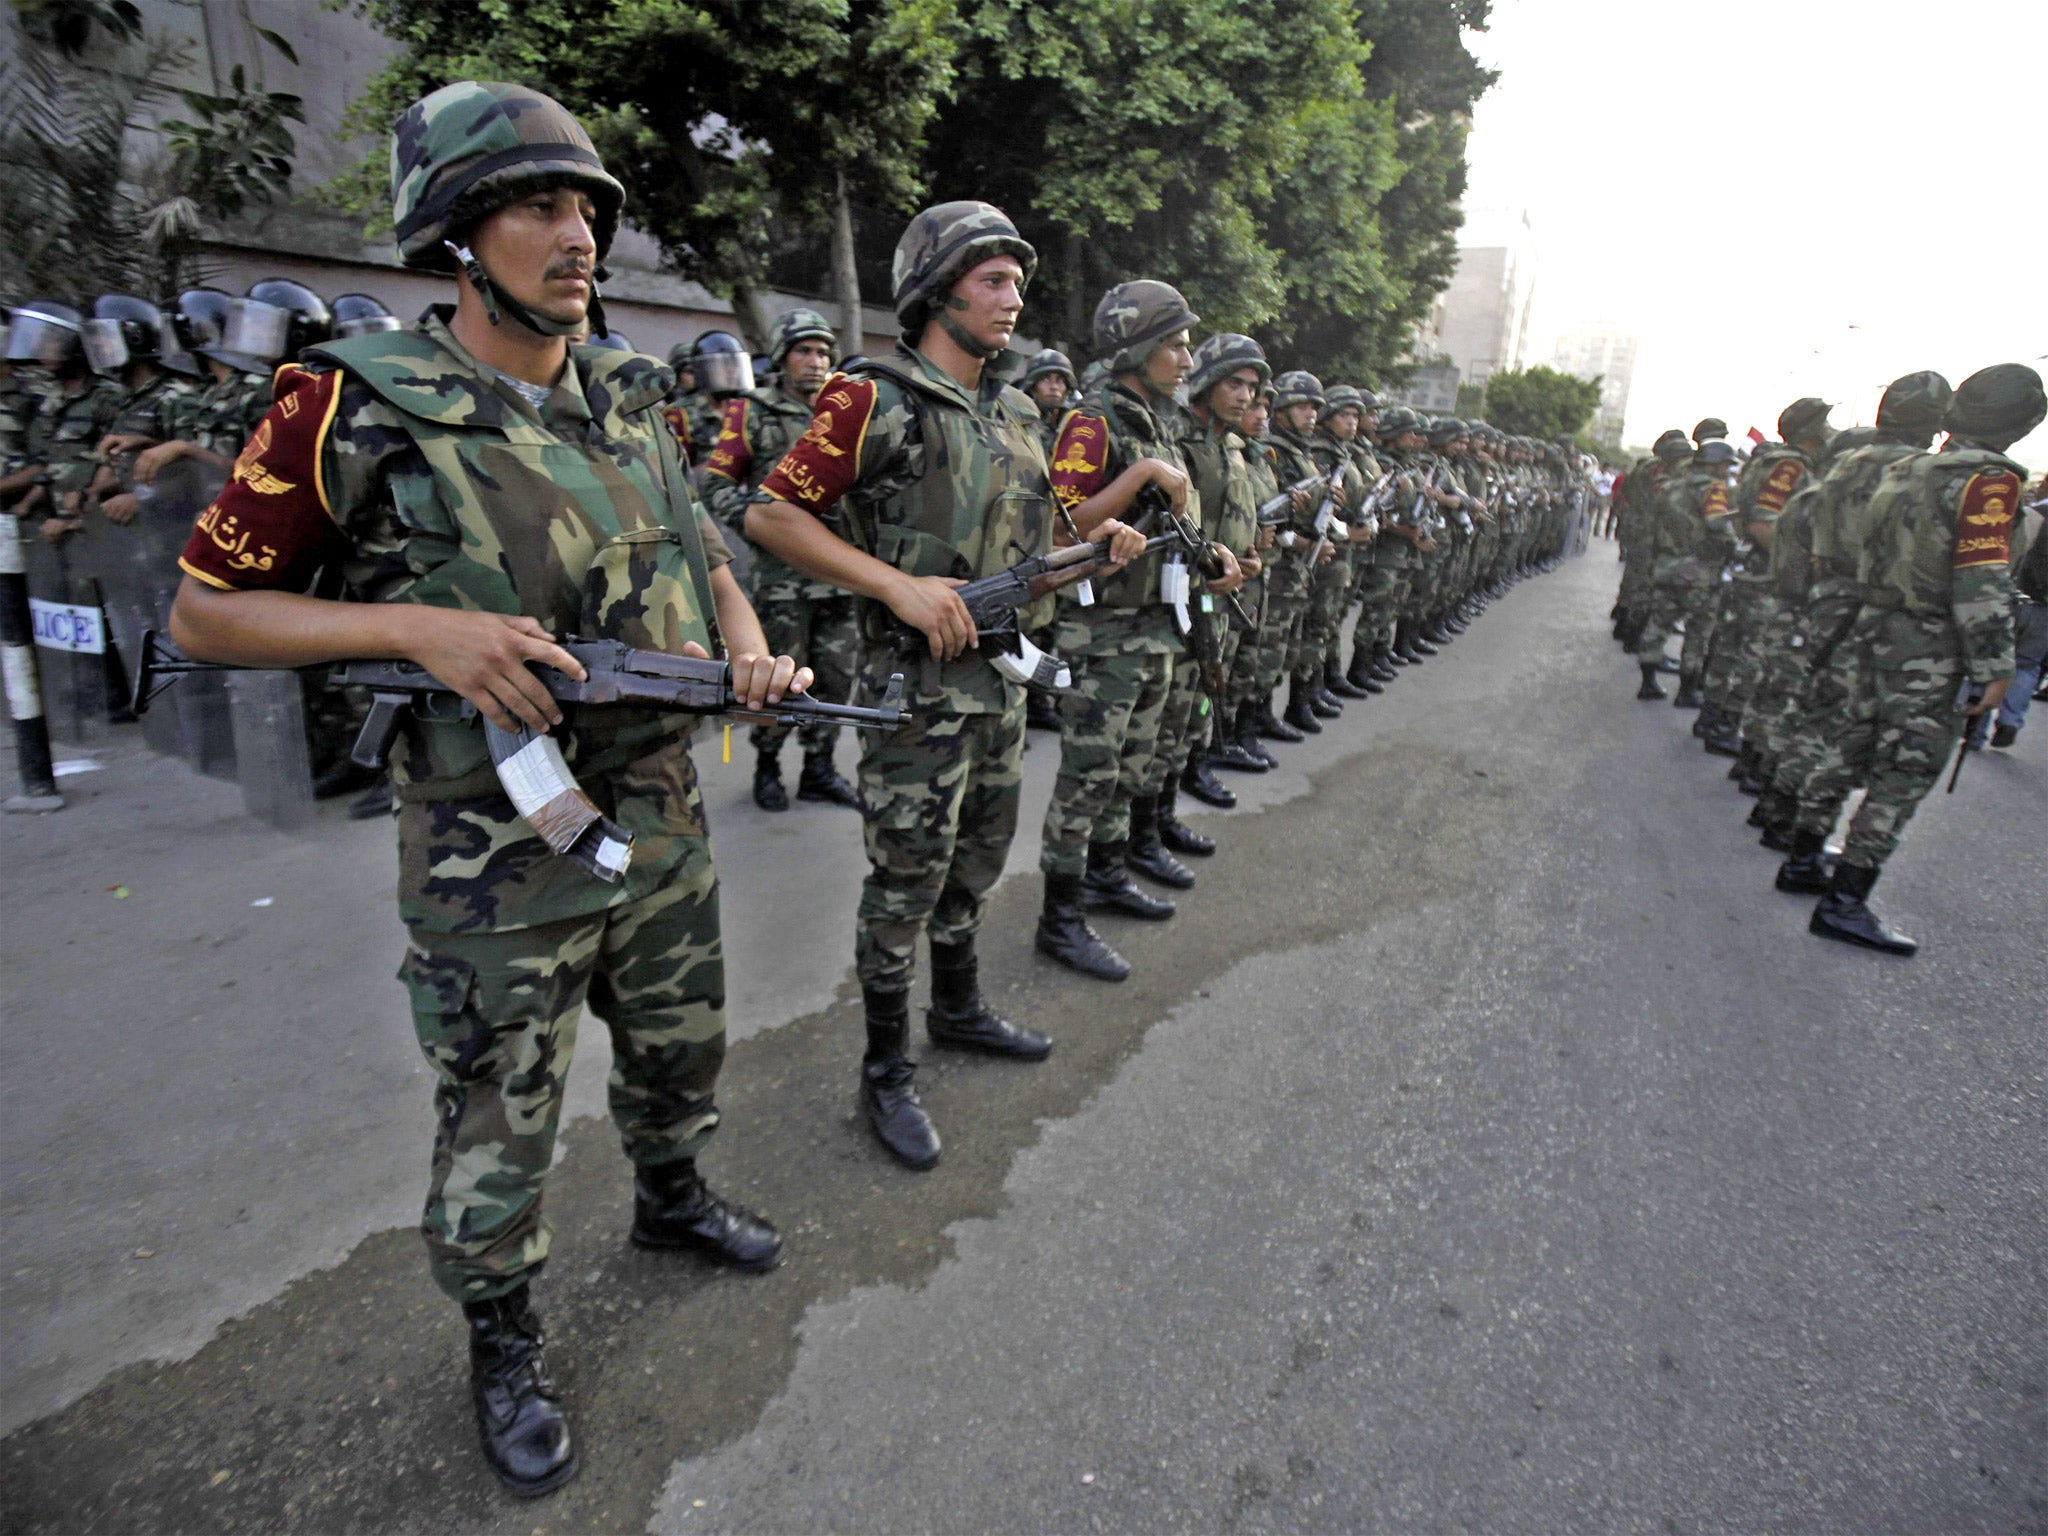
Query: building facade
[[1606, 352]]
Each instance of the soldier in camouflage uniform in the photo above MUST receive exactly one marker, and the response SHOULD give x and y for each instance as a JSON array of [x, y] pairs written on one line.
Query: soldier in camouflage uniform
[[1636, 528], [40, 335], [810, 620], [1931, 643], [1229, 372], [1300, 635], [1763, 486], [1341, 436], [1693, 506], [1049, 380], [129, 341], [1244, 707], [939, 469], [1123, 644], [484, 484], [1835, 527], [692, 414], [210, 425]]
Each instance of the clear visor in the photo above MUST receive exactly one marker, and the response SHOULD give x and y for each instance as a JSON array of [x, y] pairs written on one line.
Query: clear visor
[[32, 338], [369, 325], [725, 373], [106, 349], [255, 329]]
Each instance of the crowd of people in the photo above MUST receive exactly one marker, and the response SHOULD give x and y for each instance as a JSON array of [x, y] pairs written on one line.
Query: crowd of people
[[465, 492], [1856, 608]]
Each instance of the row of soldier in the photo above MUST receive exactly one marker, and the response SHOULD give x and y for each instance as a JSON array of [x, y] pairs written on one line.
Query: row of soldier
[[1855, 607]]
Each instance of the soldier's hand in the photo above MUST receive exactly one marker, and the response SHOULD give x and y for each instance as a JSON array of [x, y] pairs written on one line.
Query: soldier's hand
[[1329, 553], [1994, 695], [1125, 543], [57, 529], [1170, 479], [1230, 575], [120, 510], [1429, 546], [929, 605], [1250, 563], [152, 462], [1266, 538], [1305, 497], [484, 657], [123, 442], [758, 680]]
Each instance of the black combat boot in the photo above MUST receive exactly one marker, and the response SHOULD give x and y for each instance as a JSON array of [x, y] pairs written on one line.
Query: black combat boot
[[1041, 711], [1248, 736], [821, 781], [1703, 722], [1809, 872], [1271, 726], [1108, 886], [887, 1095], [961, 1018], [1756, 774], [1300, 714], [768, 791], [1177, 834], [1420, 643], [1336, 682], [1321, 702], [1650, 689], [1775, 820], [1064, 935], [518, 1413], [1404, 653], [1689, 695], [1200, 780], [1383, 667], [1227, 748], [1844, 913], [673, 1208], [1146, 854], [1360, 673], [1722, 739]]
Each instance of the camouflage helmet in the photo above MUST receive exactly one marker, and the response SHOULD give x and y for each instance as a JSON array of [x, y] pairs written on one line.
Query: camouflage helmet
[[1223, 354], [794, 326], [1050, 361], [1397, 419], [941, 244], [1295, 386], [1093, 375], [1672, 445], [1914, 404], [1343, 397], [1446, 429], [1804, 417], [1841, 442], [1998, 405], [1717, 450], [1709, 427], [467, 149], [1134, 317]]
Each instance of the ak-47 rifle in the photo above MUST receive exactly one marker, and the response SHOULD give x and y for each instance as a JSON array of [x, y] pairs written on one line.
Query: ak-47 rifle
[[530, 764], [1278, 511], [1967, 698]]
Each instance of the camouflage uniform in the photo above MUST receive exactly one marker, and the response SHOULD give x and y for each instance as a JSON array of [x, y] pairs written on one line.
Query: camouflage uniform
[[1692, 510], [1288, 587], [22, 396], [221, 415], [812, 621], [1230, 514], [1735, 664], [153, 411], [1264, 485]]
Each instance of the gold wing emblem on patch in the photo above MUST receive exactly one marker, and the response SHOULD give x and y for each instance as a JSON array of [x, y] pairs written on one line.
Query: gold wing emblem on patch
[[819, 436], [249, 468]]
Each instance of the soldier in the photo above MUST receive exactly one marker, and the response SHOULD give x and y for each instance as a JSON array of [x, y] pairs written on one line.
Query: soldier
[[128, 341], [484, 484], [810, 620], [1229, 372], [1762, 488], [241, 340], [692, 414], [1837, 523], [939, 467], [1124, 646], [1635, 527], [78, 408], [1407, 534], [1049, 381], [1693, 507], [1932, 643], [1306, 596], [1296, 401], [1242, 712], [42, 341], [1340, 439]]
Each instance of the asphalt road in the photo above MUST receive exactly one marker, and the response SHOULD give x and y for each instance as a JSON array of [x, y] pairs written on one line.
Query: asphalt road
[[1485, 1147]]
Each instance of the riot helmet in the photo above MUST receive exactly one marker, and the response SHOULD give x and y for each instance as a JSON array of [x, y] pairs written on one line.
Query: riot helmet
[[357, 314], [43, 331], [273, 322], [723, 364], [123, 330], [610, 341]]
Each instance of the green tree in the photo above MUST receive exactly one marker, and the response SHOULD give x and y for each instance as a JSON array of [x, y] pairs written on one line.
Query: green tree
[[1540, 402], [724, 118]]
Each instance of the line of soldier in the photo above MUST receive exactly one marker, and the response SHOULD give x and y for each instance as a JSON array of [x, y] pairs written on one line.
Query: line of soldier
[[1852, 604], [461, 493]]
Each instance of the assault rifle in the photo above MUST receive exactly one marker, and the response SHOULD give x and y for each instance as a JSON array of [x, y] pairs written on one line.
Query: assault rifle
[[530, 765]]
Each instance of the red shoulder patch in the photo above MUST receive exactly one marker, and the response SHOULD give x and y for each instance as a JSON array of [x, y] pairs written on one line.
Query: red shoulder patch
[[1714, 503], [1779, 485], [271, 524], [1078, 457], [732, 456], [1984, 519], [825, 462]]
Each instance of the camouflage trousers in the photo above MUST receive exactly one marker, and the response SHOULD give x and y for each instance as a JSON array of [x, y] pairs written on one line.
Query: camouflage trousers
[[1691, 598], [1383, 588], [942, 793], [1893, 734], [1243, 670], [1420, 602], [496, 1015], [1636, 581], [1280, 634], [1830, 675], [1777, 696], [821, 633], [1192, 705], [1329, 591], [1109, 735], [1733, 660]]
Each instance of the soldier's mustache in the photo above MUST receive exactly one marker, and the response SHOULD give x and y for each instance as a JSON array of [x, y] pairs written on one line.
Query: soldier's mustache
[[567, 269]]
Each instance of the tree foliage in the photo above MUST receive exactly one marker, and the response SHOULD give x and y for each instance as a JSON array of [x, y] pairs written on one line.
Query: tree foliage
[[1540, 402]]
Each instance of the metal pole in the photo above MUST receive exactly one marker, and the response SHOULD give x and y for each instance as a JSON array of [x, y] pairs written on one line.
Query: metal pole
[[24, 687]]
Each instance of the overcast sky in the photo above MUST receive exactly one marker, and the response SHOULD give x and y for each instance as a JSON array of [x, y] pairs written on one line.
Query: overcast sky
[[1779, 199]]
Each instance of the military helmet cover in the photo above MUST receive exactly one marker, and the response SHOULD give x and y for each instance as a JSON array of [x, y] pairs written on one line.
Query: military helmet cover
[[941, 244], [1342, 397], [794, 326], [1803, 417], [1998, 405], [1295, 386], [1717, 451], [1446, 429], [1133, 318], [1915, 403], [1709, 427], [466, 150], [1050, 361], [1398, 419], [1223, 354], [1672, 446]]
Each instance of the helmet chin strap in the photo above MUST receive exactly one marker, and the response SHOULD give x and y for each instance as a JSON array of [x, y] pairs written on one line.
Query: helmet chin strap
[[496, 299], [958, 332]]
